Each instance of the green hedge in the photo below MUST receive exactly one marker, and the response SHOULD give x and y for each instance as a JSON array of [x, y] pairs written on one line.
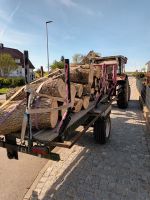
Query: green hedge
[[139, 74], [11, 82]]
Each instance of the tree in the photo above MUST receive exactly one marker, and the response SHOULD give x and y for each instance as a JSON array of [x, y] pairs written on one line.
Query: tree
[[7, 64], [38, 72], [77, 58], [143, 69], [57, 64], [62, 59]]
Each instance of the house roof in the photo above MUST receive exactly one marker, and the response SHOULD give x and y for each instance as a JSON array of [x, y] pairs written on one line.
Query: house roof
[[91, 55], [148, 63], [109, 58], [16, 54]]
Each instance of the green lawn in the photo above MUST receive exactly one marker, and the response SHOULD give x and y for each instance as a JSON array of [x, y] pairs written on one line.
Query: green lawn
[[4, 90]]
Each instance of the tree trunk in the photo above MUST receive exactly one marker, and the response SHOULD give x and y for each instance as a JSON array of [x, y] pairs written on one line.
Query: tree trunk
[[97, 71], [80, 75], [77, 105], [54, 88], [86, 90], [73, 94], [86, 101], [79, 89], [45, 120]]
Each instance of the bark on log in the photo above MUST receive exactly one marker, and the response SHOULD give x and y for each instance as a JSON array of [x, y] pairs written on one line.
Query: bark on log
[[92, 90], [97, 71], [77, 105], [86, 101], [63, 110], [73, 94], [83, 76], [86, 90], [45, 120], [79, 89], [55, 73], [11, 117], [54, 88]]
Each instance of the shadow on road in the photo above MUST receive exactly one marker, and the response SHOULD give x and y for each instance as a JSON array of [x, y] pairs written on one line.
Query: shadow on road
[[117, 170]]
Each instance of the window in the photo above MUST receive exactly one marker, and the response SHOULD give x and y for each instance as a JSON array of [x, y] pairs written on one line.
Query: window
[[17, 60]]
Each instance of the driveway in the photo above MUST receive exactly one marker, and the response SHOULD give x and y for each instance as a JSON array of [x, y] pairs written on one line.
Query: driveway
[[119, 170]]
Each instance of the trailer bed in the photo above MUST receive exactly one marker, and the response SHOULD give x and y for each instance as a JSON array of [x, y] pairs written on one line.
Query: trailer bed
[[77, 119]]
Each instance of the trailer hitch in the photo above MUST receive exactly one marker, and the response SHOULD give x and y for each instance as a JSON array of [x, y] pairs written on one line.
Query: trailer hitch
[[11, 147]]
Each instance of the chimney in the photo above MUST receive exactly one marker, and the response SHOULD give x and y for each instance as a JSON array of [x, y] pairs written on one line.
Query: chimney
[[1, 45]]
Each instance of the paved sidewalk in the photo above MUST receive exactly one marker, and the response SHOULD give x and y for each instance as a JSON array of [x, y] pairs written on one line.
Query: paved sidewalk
[[119, 170]]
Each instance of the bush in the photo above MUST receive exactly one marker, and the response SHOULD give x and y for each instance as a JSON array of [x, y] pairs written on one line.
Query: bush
[[18, 82], [12, 82], [57, 64], [139, 74]]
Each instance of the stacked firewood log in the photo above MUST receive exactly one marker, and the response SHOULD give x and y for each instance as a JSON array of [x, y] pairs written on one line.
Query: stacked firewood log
[[50, 93]]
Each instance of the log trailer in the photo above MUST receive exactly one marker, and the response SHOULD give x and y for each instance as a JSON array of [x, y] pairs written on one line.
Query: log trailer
[[114, 85]]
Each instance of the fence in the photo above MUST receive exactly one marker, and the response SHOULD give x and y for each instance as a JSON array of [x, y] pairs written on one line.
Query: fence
[[144, 92]]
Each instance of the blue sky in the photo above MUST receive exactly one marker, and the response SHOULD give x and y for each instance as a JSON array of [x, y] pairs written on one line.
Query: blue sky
[[110, 27]]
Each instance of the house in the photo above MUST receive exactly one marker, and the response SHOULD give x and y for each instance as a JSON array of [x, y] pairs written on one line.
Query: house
[[19, 59], [147, 66], [90, 57]]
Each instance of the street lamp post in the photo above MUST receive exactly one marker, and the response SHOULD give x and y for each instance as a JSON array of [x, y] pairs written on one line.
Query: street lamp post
[[47, 44]]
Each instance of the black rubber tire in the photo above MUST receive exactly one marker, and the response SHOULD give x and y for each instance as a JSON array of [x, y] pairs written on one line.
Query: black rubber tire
[[129, 93], [100, 129], [123, 94]]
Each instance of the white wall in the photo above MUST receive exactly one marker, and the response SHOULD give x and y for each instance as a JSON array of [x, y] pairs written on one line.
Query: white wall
[[148, 67], [20, 72]]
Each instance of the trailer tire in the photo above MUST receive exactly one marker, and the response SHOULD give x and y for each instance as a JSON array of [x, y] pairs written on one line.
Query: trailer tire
[[123, 94], [102, 129]]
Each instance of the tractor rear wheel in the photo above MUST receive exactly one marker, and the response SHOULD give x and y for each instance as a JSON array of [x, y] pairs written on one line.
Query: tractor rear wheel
[[102, 129], [123, 94]]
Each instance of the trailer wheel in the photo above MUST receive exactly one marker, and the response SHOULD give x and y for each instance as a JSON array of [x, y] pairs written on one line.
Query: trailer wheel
[[102, 128], [123, 94]]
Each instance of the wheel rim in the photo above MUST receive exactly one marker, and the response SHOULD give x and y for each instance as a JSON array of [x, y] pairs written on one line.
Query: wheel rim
[[107, 128]]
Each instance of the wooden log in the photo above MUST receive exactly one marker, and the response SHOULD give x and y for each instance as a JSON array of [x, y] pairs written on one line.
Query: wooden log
[[55, 73], [79, 89], [11, 117], [63, 110], [44, 120], [86, 101], [80, 75], [54, 115], [97, 71], [73, 94], [77, 105], [92, 90], [54, 88], [86, 90]]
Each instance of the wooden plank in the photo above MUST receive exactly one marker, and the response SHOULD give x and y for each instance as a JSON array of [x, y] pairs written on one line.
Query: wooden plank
[[20, 90], [12, 97], [24, 126], [50, 97], [46, 135], [45, 110]]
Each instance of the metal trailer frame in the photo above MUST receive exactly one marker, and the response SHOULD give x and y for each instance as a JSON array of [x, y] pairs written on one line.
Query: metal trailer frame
[[43, 142]]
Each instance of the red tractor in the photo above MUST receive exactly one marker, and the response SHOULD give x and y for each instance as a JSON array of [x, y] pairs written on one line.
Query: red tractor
[[114, 81]]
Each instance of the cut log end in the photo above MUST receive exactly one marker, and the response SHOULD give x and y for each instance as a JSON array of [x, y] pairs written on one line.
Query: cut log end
[[77, 105], [86, 101], [54, 115], [79, 89]]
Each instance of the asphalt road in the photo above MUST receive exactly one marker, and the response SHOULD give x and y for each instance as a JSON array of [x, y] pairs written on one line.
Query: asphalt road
[[118, 170], [16, 176]]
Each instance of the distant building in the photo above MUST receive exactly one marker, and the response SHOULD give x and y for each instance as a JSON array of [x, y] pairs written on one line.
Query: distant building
[[18, 57], [147, 66], [90, 57]]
